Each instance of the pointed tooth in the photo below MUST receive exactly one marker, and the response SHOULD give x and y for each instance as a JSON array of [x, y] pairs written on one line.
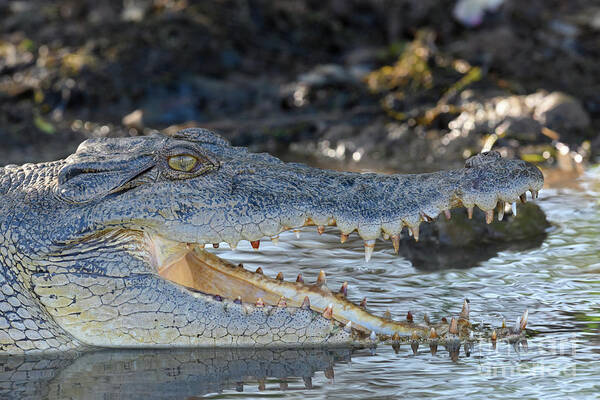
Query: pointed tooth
[[387, 314], [396, 243], [503, 323], [305, 303], [523, 197], [524, 318], [373, 336], [453, 329], [238, 300], [447, 214], [281, 302], [215, 245], [466, 308], [275, 240], [259, 271], [260, 302], [433, 334], [232, 245], [534, 194], [470, 212], [369, 246], [363, 303], [343, 238], [414, 336], [299, 278], [426, 217], [261, 385], [500, 210], [396, 337], [328, 312], [321, 279], [348, 327], [415, 232], [344, 289], [409, 317], [320, 229], [279, 276], [514, 208], [255, 244], [494, 336], [297, 233], [489, 216]]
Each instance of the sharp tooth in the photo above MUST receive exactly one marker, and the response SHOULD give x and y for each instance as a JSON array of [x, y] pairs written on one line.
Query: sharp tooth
[[320, 229], [396, 337], [344, 289], [494, 336], [279, 276], [453, 329], [503, 323], [433, 334], [415, 344], [259, 271], [470, 212], [232, 246], [215, 245], [321, 278], [238, 300], [299, 278], [514, 208], [523, 197], [447, 214], [255, 244], [281, 302], [363, 303], [415, 232], [534, 194], [348, 327], [373, 336], [275, 240], [297, 233], [426, 217], [260, 302], [396, 243], [343, 238], [409, 317], [305, 303], [466, 308], [328, 312], [500, 210], [523, 323], [369, 246], [489, 216]]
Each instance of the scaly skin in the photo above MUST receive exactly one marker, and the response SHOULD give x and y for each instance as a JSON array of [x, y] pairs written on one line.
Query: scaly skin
[[91, 246]]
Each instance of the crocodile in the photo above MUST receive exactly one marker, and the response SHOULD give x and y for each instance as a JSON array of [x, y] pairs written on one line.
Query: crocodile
[[106, 248]]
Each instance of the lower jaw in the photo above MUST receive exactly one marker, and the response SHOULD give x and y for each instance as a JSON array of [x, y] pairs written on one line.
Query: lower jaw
[[192, 267]]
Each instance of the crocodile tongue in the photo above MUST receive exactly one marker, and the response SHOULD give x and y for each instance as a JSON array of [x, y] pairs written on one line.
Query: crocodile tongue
[[192, 267]]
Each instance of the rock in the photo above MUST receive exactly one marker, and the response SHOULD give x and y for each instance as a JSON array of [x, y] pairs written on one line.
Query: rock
[[561, 112]]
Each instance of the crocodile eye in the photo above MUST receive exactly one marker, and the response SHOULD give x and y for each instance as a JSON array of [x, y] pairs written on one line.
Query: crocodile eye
[[183, 162]]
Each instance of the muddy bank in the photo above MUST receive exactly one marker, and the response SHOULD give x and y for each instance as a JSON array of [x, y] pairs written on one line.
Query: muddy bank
[[400, 86]]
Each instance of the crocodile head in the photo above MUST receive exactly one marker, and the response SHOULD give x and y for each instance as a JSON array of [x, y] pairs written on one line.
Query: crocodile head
[[117, 252]]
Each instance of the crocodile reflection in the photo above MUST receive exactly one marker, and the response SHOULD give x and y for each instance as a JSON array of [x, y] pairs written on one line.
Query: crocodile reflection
[[181, 373]]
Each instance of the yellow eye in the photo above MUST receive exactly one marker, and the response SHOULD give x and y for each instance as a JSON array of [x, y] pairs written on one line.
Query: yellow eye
[[183, 162]]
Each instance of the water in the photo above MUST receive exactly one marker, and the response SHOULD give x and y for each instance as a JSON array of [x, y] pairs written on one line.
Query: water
[[557, 281]]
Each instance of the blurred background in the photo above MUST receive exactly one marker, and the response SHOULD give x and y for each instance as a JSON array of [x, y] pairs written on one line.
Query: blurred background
[[406, 85]]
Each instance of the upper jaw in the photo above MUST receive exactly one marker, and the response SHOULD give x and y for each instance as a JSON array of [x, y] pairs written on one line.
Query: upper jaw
[[264, 202]]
